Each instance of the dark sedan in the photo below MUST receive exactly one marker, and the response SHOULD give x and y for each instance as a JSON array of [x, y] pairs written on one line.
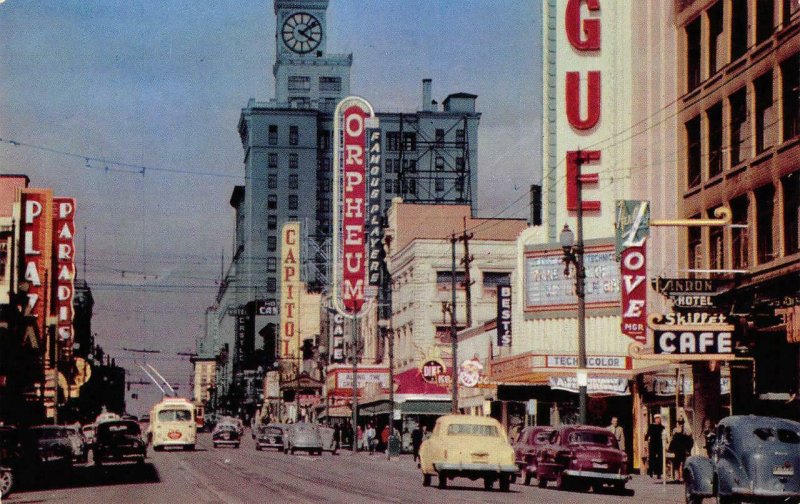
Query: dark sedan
[[271, 436], [579, 456], [530, 440], [47, 445], [118, 441]]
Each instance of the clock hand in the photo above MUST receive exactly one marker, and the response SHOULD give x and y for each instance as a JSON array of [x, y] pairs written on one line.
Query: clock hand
[[304, 31]]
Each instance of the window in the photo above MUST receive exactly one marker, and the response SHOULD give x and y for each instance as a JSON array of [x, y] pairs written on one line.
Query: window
[[293, 161], [397, 186], [739, 235], [409, 166], [299, 102], [175, 415], [323, 140], [739, 23], [693, 160], [765, 19], [716, 245], [299, 83], [273, 135], [459, 185], [293, 135], [695, 248], [715, 60], [388, 168], [272, 264], [439, 163], [472, 430], [714, 116], [460, 139], [272, 284], [272, 222], [393, 141], [330, 84], [412, 186], [693, 54], [764, 212], [327, 104], [387, 203], [272, 160], [272, 202], [410, 141], [293, 218], [765, 124], [439, 185], [292, 202], [387, 186], [272, 243], [791, 212], [460, 164], [492, 279], [790, 74], [738, 104], [790, 8], [439, 136], [444, 279], [272, 181], [293, 182]]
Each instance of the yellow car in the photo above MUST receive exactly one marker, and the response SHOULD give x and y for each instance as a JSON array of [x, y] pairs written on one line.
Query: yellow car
[[463, 446]]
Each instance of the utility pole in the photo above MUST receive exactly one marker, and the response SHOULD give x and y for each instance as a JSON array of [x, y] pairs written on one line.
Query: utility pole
[[453, 331], [467, 262], [580, 278], [355, 382]]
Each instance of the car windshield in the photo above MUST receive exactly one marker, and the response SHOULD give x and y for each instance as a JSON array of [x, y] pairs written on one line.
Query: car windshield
[[595, 438], [51, 433], [114, 428], [781, 435], [472, 430], [175, 415], [273, 431]]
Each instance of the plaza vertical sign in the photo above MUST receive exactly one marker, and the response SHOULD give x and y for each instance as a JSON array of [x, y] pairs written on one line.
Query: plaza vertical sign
[[64, 267], [37, 207], [632, 228], [290, 289], [352, 118]]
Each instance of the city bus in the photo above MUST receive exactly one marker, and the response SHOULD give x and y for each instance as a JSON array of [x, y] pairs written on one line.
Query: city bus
[[172, 423]]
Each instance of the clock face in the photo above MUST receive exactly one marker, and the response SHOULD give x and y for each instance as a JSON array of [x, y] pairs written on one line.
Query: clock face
[[301, 32]]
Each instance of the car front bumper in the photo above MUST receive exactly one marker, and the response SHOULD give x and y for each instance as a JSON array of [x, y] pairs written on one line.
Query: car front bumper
[[597, 476], [764, 494]]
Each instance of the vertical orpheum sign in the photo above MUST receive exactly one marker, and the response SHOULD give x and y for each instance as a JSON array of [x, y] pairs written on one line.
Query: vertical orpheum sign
[[37, 248], [290, 290], [375, 222], [64, 269], [352, 118]]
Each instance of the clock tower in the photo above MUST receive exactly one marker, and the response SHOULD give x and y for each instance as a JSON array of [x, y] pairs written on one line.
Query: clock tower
[[305, 75]]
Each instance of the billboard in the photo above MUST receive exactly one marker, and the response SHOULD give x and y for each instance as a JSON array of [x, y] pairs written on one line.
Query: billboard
[[290, 290]]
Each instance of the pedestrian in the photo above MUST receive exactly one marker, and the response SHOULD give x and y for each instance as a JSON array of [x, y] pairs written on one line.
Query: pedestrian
[[359, 438], [371, 438], [655, 448], [385, 438], [680, 447], [619, 434], [337, 436], [416, 442], [709, 435]]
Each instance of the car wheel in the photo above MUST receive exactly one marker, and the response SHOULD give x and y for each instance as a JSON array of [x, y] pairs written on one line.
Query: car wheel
[[258, 447], [442, 481], [726, 499], [488, 483], [189, 447], [689, 496], [541, 483], [562, 482], [505, 483], [6, 482], [140, 461], [426, 480], [98, 462], [291, 451], [527, 476]]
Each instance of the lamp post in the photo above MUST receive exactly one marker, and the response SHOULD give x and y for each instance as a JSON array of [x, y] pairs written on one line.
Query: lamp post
[[573, 254]]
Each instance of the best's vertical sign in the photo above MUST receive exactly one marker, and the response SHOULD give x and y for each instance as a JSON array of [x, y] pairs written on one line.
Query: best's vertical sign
[[504, 316], [64, 267], [290, 289]]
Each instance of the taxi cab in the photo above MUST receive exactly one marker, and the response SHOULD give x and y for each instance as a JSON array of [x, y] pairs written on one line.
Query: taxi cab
[[463, 446]]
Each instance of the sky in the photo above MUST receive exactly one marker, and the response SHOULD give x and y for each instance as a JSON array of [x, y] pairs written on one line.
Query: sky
[[132, 108]]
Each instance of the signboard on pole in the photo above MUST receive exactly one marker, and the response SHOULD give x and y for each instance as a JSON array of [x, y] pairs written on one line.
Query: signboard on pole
[[503, 315], [337, 339], [290, 289], [375, 216], [64, 267], [632, 228]]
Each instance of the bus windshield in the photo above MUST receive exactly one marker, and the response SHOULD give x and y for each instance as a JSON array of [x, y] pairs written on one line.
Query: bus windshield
[[175, 415]]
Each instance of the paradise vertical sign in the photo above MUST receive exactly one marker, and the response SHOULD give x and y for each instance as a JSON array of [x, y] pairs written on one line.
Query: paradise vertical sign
[[64, 267]]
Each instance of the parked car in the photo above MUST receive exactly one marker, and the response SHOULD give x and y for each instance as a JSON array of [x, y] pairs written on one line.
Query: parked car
[[50, 444], [88, 434], [328, 442], [10, 459], [530, 440], [468, 447], [752, 458], [271, 436], [226, 434], [80, 452], [118, 441], [579, 456], [304, 436]]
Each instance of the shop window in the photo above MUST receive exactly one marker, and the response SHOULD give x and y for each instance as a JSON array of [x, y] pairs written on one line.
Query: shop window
[[293, 181], [791, 212], [294, 135], [765, 120], [695, 247], [716, 245], [272, 181], [790, 74], [765, 19], [739, 29], [273, 135], [740, 236], [714, 116], [693, 54], [272, 202], [715, 60], [439, 137], [293, 161], [693, 150], [393, 141], [410, 141], [764, 213], [738, 129], [272, 160]]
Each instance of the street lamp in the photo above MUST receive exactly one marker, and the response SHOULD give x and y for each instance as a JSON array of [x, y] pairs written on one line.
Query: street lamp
[[573, 254]]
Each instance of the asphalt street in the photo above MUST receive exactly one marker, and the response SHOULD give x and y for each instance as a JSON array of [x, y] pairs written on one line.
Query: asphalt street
[[244, 475]]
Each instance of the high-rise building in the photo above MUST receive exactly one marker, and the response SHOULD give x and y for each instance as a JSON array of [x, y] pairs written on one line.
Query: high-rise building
[[430, 156]]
